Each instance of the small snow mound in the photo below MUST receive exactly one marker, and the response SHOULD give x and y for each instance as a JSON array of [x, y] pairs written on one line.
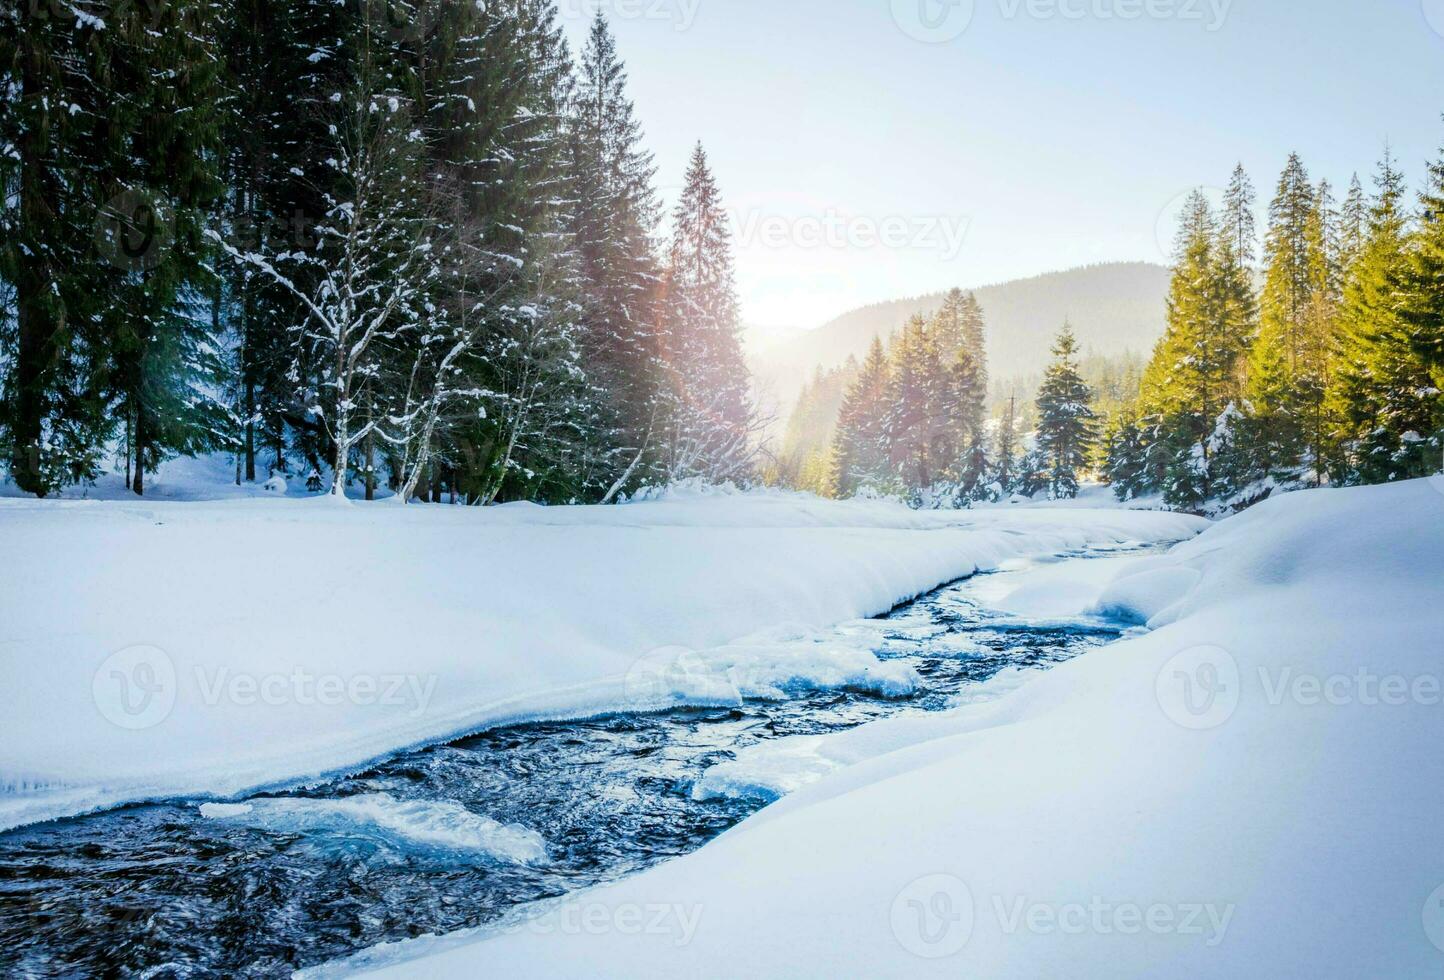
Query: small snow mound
[[220, 811], [1142, 596], [768, 773], [411, 825], [276, 485]]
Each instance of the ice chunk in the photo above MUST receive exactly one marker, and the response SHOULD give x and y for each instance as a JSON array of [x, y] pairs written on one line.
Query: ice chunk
[[412, 825]]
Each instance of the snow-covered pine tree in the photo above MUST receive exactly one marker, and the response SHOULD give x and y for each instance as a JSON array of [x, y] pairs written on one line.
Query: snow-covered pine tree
[[1286, 373], [501, 398], [711, 421], [1382, 395], [1065, 418], [919, 416], [1006, 450], [969, 395], [1422, 303], [860, 451], [1126, 468], [959, 323], [162, 179], [615, 218], [1165, 443], [52, 165], [1353, 224]]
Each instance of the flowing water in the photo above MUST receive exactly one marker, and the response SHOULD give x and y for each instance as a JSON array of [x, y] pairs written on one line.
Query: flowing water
[[451, 836]]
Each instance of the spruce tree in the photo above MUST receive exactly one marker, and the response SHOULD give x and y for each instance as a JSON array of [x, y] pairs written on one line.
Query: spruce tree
[[1006, 450], [1287, 371], [53, 168], [1125, 467], [1422, 303], [162, 178], [861, 451], [1383, 396], [920, 417], [1066, 422], [710, 429], [615, 217]]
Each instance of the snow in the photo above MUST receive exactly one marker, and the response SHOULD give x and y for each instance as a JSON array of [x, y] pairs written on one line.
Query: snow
[[424, 826], [192, 648], [1251, 788]]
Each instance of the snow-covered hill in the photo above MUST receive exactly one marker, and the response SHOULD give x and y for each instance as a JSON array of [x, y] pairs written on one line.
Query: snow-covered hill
[[1252, 788], [155, 649]]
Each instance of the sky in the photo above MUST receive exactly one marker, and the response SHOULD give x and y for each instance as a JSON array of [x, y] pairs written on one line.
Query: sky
[[875, 149]]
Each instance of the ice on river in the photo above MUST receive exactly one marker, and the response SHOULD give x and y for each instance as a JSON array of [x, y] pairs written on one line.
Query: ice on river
[[435, 827]]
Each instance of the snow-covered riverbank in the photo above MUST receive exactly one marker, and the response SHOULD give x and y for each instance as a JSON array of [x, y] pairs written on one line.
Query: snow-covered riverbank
[[160, 649], [1251, 789]]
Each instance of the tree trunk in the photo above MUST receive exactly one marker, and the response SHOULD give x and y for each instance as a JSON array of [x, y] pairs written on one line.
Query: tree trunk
[[250, 432], [140, 436], [38, 311], [338, 472], [370, 466]]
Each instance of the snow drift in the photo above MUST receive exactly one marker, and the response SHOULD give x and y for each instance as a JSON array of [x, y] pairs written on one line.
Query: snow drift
[[212, 648], [1251, 789]]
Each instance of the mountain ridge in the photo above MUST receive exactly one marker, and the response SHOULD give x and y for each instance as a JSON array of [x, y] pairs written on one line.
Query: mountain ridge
[[1114, 307]]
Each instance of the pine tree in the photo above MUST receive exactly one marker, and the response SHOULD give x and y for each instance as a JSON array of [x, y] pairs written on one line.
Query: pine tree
[[861, 452], [615, 216], [920, 420], [1237, 231], [1287, 375], [1422, 304], [53, 169], [1353, 224], [1383, 396], [1065, 418], [1006, 450], [969, 395], [162, 179], [1196, 367], [710, 432], [1125, 468]]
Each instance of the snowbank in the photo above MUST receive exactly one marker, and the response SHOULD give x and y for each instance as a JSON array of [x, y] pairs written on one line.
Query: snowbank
[[158, 649], [1252, 789]]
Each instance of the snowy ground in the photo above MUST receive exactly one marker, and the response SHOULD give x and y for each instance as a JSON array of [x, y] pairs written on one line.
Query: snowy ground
[[1253, 788], [206, 647]]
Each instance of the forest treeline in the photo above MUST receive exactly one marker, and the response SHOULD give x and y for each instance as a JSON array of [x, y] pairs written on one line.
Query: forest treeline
[[367, 242], [1322, 365], [1310, 355], [912, 420]]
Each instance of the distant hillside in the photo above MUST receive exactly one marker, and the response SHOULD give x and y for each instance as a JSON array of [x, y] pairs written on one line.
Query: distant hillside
[[1114, 308]]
